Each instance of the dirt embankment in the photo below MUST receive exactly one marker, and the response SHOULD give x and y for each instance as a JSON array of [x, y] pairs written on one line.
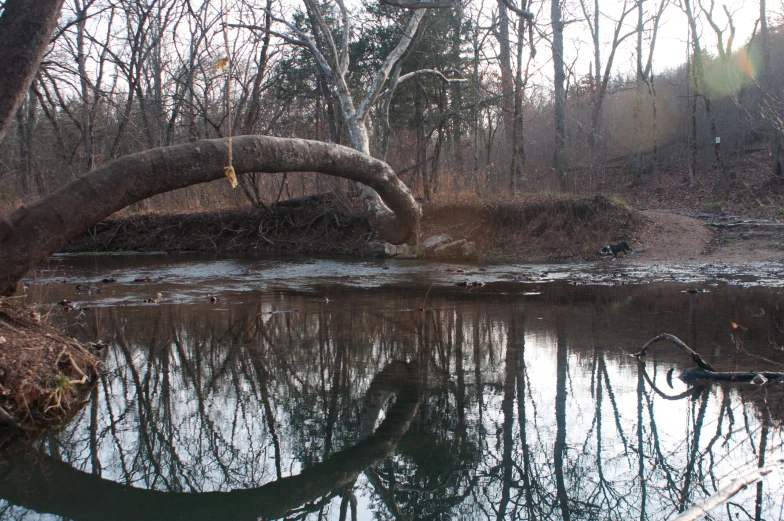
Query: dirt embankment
[[536, 229], [318, 224], [533, 229]]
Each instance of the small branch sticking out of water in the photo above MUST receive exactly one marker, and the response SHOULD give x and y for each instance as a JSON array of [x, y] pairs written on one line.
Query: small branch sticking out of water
[[678, 342]]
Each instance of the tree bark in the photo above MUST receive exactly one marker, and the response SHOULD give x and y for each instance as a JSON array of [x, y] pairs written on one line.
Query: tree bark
[[771, 88], [422, 141], [700, 89], [25, 29], [560, 94], [507, 78], [32, 233]]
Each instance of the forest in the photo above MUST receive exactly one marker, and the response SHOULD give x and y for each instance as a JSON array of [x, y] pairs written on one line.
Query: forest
[[470, 99]]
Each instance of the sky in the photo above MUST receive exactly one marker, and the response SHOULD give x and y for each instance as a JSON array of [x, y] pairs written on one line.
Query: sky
[[670, 50]]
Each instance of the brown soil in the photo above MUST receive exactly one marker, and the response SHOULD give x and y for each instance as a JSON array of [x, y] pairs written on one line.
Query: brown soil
[[318, 224], [671, 237], [531, 229], [528, 229], [44, 374], [535, 228], [753, 192]]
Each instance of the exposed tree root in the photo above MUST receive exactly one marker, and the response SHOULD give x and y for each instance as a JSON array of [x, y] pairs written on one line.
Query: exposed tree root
[[44, 374]]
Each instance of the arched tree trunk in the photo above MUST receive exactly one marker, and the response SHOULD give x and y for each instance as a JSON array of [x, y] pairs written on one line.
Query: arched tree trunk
[[32, 233]]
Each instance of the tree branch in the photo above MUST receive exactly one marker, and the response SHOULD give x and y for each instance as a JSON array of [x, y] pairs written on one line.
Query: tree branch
[[528, 15], [389, 62], [423, 72], [413, 4], [678, 342]]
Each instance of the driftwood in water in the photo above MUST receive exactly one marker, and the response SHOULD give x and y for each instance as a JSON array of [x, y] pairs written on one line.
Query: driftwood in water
[[696, 374], [706, 371], [678, 342]]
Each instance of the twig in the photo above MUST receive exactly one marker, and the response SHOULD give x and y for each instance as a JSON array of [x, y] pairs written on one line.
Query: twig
[[678, 342], [9, 326]]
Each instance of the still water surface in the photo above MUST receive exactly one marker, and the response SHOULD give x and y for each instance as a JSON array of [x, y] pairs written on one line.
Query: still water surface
[[334, 389]]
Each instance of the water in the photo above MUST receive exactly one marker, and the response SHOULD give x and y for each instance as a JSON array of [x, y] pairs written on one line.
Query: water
[[313, 386]]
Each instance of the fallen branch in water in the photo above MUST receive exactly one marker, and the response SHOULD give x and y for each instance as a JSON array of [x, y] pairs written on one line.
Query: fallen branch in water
[[678, 342], [725, 493], [757, 377], [706, 371]]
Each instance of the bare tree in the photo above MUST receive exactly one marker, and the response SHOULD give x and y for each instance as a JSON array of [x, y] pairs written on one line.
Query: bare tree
[[772, 93], [525, 21], [559, 79], [645, 76], [603, 72], [334, 63], [701, 90]]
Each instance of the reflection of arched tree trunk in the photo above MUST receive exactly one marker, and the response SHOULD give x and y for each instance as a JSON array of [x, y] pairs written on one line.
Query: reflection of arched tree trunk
[[385, 493], [560, 421], [44, 484]]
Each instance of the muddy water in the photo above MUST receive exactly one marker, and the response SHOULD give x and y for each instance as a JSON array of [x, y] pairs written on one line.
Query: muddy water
[[315, 387]]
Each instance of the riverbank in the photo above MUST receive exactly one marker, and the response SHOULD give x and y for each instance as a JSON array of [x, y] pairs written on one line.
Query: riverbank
[[44, 374], [532, 229], [529, 229]]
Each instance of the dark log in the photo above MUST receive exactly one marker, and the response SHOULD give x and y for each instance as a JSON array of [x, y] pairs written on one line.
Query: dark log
[[30, 234], [696, 374]]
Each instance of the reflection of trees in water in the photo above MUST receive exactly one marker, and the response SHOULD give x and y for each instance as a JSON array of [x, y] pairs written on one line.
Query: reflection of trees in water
[[520, 420]]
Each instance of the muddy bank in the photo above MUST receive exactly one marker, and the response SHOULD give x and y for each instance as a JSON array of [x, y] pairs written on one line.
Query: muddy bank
[[319, 224], [532, 229], [44, 374]]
